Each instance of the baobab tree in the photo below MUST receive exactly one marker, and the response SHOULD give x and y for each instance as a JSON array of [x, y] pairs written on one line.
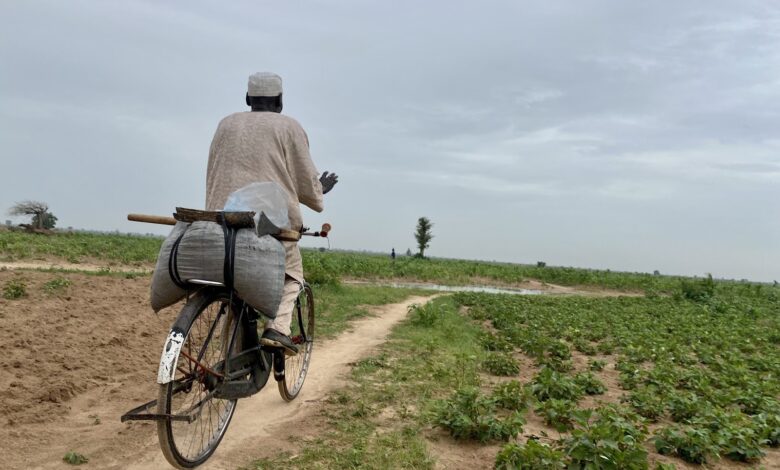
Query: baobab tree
[[41, 217]]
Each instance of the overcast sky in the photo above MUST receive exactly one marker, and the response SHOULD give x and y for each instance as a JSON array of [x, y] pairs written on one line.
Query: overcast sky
[[628, 135]]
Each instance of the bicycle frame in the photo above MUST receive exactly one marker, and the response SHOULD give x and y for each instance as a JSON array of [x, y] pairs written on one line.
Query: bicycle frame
[[240, 375]]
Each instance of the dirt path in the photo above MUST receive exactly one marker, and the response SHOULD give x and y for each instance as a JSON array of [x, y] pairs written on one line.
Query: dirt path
[[90, 421], [62, 265]]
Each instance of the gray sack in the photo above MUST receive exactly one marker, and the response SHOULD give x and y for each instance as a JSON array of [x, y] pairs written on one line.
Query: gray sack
[[258, 267]]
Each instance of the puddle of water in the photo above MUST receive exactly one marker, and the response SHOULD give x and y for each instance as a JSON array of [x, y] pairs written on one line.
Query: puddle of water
[[481, 289]]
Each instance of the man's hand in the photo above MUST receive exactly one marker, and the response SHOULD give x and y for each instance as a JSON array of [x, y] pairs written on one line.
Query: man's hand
[[328, 181]]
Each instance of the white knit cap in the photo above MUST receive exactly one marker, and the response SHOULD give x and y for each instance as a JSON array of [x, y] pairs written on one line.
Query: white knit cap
[[264, 84]]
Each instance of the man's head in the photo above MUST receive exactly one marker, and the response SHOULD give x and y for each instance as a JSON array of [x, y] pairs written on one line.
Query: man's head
[[264, 92]]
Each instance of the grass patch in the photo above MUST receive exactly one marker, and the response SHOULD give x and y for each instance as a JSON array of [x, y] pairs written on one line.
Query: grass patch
[[337, 305], [379, 420]]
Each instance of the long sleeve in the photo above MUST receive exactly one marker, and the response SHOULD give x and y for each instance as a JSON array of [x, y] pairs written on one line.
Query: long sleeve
[[305, 176]]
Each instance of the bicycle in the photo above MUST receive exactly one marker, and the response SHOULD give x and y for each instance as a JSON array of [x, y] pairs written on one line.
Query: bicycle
[[212, 357]]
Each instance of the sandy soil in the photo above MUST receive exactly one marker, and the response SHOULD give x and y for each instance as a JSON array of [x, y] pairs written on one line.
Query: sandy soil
[[74, 361]]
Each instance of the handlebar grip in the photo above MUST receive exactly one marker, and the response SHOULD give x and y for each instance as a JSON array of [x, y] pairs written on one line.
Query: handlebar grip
[[151, 219]]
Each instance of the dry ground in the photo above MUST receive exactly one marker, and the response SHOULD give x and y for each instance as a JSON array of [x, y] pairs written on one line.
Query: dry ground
[[75, 360]]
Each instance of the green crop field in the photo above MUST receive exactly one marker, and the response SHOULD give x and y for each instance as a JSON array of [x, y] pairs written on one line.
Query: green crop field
[[327, 266], [78, 247], [608, 383], [688, 372]]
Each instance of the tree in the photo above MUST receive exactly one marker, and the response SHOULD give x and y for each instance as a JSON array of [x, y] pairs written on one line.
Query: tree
[[423, 235], [49, 220], [41, 217]]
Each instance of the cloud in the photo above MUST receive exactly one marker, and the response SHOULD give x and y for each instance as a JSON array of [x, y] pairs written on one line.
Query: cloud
[[548, 113]]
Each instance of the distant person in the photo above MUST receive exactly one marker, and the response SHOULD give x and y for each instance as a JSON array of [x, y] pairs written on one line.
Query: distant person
[[264, 145], [392, 254]]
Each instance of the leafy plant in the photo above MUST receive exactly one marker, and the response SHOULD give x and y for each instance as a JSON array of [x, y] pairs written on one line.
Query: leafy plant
[[596, 365], [493, 342], [698, 290], [610, 441], [470, 415], [501, 364], [684, 406], [647, 402], [557, 413], [511, 396], [56, 285], [690, 444], [529, 456], [426, 315], [559, 350], [585, 347], [589, 383], [14, 289], [74, 458], [549, 384], [768, 427], [665, 466]]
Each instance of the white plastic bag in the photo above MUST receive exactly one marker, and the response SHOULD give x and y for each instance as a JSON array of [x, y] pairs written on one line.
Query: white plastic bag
[[269, 202]]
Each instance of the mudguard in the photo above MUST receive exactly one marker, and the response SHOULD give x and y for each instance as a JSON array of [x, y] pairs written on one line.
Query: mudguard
[[170, 356], [167, 370]]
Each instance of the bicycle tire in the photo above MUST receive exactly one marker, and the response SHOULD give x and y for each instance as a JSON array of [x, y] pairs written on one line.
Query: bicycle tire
[[302, 334], [178, 438]]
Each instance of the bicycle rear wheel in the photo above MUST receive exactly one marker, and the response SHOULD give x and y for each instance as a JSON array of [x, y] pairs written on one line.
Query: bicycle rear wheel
[[302, 334], [207, 338]]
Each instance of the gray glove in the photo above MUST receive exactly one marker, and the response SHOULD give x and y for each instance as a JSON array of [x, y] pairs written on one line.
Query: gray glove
[[328, 181]]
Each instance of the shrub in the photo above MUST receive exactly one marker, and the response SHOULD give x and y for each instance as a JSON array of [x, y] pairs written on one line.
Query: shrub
[[698, 290], [529, 456], [14, 289], [501, 364], [470, 415]]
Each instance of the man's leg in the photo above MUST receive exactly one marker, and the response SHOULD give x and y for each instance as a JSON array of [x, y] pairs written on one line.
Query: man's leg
[[284, 315], [281, 324]]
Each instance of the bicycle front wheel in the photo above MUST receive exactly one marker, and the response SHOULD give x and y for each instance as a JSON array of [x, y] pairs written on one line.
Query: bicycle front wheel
[[187, 444], [302, 334]]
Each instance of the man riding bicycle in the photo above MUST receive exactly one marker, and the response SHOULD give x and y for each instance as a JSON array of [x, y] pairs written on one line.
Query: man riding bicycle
[[263, 145]]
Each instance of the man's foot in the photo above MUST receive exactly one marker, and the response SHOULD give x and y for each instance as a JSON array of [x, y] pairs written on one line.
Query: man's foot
[[274, 339]]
